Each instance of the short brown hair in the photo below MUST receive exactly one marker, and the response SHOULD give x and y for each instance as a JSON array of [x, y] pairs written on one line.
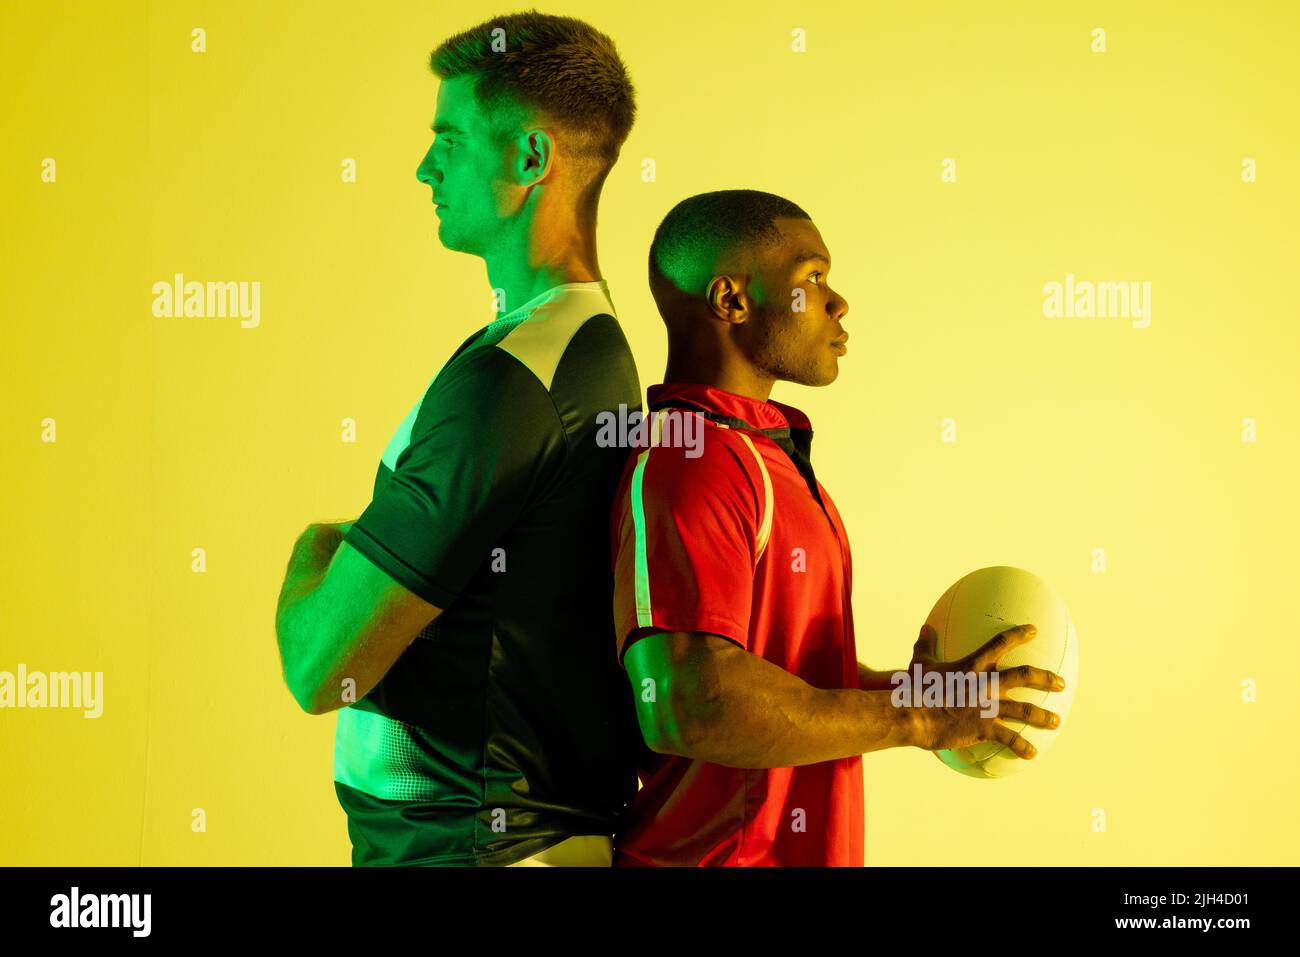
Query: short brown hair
[[563, 67]]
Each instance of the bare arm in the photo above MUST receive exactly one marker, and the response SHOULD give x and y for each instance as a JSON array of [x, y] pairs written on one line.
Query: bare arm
[[341, 622], [703, 696]]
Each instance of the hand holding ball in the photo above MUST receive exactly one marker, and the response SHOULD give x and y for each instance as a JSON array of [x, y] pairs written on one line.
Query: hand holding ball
[[1003, 620]]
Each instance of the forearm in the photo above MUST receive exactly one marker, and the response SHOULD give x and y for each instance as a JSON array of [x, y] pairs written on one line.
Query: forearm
[[871, 680], [765, 717], [299, 620]]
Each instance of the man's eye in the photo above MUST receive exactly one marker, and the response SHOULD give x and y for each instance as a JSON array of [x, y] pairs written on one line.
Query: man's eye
[[814, 277]]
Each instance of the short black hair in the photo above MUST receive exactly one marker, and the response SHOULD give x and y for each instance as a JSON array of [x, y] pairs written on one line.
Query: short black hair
[[560, 65], [701, 229]]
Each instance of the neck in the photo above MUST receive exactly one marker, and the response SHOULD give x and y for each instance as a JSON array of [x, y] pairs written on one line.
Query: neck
[[546, 246], [730, 373]]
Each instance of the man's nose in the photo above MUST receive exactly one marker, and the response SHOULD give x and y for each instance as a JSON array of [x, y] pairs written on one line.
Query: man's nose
[[838, 306], [427, 172]]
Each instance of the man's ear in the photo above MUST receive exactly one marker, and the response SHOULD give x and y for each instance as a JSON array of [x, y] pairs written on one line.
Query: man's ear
[[534, 155], [728, 298]]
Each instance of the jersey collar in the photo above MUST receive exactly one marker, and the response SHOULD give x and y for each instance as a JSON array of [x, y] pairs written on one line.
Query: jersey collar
[[600, 286], [753, 413]]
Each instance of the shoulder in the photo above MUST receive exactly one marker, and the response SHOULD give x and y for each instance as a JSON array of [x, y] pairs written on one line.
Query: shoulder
[[483, 405], [693, 461], [581, 363], [484, 380], [564, 337]]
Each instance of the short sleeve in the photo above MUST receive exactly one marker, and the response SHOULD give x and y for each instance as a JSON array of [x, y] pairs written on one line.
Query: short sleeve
[[684, 535], [485, 438]]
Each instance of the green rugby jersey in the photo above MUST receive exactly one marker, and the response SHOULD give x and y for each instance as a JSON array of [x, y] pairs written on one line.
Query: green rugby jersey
[[507, 725]]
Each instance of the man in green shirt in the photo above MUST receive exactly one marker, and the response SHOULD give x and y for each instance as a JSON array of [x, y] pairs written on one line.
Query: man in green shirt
[[460, 626]]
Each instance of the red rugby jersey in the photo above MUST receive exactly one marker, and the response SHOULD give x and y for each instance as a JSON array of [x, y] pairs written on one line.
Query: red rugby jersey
[[737, 538]]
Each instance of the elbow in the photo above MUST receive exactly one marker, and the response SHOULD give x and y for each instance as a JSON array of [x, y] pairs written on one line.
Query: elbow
[[300, 662], [679, 730], [675, 746], [318, 697], [304, 682], [314, 705], [660, 741], [309, 693], [683, 705], [324, 695]]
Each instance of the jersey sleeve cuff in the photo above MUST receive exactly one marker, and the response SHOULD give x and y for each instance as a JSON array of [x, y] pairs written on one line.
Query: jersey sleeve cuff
[[696, 621], [406, 576]]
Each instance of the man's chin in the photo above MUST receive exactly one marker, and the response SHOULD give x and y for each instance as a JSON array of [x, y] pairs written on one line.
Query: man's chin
[[457, 244], [814, 378], [828, 376], [825, 375]]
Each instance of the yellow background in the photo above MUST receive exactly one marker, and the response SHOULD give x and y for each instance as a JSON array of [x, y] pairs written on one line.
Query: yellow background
[[1072, 434]]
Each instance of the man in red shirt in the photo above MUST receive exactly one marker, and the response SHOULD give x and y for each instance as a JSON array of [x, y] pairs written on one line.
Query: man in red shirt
[[732, 568]]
